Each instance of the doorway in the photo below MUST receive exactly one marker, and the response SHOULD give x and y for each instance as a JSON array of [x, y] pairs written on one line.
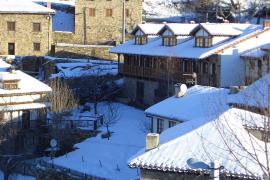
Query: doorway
[[11, 48]]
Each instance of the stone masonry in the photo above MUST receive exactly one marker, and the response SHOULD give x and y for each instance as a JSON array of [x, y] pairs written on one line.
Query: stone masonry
[[24, 37], [101, 27]]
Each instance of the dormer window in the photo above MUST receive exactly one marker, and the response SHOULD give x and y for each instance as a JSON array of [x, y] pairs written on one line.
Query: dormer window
[[169, 41], [10, 85], [204, 42], [141, 40]]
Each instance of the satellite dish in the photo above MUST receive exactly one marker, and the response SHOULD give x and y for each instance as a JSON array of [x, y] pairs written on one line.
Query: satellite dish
[[195, 164], [182, 91], [53, 143]]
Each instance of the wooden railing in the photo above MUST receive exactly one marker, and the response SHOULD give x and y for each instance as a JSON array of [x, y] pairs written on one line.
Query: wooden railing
[[149, 73]]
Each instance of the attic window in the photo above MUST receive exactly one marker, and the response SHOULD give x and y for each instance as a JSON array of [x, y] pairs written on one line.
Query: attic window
[[10, 85], [169, 41], [203, 42], [140, 40]]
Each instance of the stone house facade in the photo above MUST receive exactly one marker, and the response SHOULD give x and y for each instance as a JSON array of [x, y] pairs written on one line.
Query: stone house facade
[[26, 29], [100, 21]]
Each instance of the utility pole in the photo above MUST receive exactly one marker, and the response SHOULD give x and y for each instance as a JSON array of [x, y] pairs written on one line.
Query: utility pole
[[123, 21]]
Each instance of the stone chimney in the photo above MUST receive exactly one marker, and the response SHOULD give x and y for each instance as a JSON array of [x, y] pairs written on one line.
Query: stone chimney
[[266, 24], [49, 4], [152, 141]]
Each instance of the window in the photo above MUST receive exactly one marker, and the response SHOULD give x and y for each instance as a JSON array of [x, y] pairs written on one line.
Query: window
[[11, 26], [169, 41], [213, 69], [205, 67], [172, 123], [259, 68], [36, 46], [127, 13], [160, 125], [36, 27], [10, 85], [204, 42], [109, 12], [140, 40], [11, 48], [92, 12]]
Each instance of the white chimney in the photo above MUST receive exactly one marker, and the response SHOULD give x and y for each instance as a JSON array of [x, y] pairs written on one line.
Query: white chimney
[[49, 4], [215, 168], [152, 141]]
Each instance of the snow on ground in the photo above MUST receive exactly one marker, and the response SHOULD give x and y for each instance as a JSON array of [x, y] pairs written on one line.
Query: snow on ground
[[108, 158], [84, 67]]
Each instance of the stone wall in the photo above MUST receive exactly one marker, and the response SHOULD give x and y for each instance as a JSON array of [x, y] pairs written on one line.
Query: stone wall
[[23, 36], [99, 28], [82, 51], [63, 37]]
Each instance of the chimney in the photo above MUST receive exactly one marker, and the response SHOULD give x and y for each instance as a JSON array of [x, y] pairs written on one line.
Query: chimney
[[177, 89], [214, 170], [49, 4], [152, 141], [266, 24]]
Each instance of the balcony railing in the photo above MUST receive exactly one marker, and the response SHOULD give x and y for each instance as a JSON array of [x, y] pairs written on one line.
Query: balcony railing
[[172, 75]]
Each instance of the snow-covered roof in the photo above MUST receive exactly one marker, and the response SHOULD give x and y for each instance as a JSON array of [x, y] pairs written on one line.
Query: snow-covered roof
[[223, 29], [27, 84], [179, 29], [199, 101], [255, 95], [28, 7], [187, 49], [257, 53], [7, 76], [148, 29], [29, 106], [207, 139]]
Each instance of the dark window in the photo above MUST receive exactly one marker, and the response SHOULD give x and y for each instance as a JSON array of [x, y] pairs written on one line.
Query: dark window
[[160, 125], [26, 119], [11, 26], [140, 92], [140, 40], [205, 67], [204, 42], [11, 48], [172, 123], [109, 12], [169, 41], [259, 68], [92, 12], [127, 13], [36, 27], [36, 46], [213, 69]]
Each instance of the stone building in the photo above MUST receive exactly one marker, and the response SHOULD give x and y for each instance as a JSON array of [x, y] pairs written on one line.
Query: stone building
[[100, 21], [207, 54], [26, 28]]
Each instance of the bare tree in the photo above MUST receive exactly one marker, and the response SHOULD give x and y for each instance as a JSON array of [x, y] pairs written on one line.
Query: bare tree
[[61, 98], [111, 116]]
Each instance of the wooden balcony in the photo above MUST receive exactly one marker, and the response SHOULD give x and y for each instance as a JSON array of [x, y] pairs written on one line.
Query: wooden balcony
[[156, 74]]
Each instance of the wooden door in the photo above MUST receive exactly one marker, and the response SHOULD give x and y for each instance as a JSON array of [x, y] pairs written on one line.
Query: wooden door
[[11, 48]]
